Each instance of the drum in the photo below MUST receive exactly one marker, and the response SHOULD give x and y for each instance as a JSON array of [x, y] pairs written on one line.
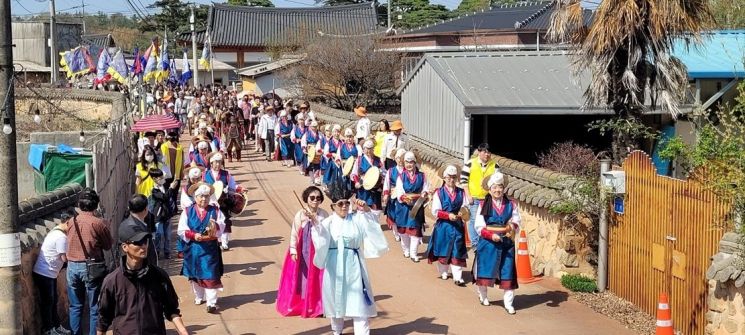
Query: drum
[[348, 166], [372, 178], [313, 156], [237, 203]]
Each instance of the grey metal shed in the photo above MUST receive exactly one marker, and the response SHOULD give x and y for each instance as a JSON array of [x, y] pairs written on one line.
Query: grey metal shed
[[439, 97]]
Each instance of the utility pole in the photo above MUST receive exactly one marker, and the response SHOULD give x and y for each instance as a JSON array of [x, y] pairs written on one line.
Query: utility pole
[[194, 63], [83, 4], [389, 14], [53, 42], [10, 245]]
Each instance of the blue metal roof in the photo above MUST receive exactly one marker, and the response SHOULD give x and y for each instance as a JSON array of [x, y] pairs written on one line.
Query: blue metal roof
[[721, 55]]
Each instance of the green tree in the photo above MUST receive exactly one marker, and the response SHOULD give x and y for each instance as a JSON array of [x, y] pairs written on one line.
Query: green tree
[[251, 3], [418, 13], [730, 14], [340, 2], [627, 50]]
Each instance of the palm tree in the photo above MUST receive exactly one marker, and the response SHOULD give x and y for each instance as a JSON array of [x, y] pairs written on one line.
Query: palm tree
[[627, 50]]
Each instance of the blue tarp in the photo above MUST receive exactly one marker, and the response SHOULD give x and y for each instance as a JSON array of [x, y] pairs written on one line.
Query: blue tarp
[[36, 155]]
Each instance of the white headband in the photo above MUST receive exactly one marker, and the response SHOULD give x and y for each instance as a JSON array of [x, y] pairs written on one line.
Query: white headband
[[400, 153], [202, 145], [348, 132], [450, 171], [202, 190], [369, 144], [409, 157], [216, 157], [336, 127], [194, 172], [497, 178]]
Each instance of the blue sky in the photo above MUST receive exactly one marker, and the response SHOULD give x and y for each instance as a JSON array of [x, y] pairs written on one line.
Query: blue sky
[[24, 7]]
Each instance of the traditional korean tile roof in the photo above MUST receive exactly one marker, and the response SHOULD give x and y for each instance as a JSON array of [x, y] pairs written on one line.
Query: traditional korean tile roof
[[243, 26]]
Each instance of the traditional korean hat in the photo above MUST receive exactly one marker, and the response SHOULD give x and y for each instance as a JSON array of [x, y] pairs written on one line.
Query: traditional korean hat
[[215, 156], [447, 170], [493, 179], [201, 185], [360, 111], [195, 172]]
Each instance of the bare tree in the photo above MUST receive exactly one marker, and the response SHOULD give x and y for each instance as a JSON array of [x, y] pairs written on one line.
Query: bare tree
[[345, 72]]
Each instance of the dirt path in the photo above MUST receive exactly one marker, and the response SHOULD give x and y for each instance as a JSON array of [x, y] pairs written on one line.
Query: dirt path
[[411, 298]]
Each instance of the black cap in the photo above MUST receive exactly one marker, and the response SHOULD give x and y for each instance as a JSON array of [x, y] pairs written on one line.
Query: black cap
[[132, 233]]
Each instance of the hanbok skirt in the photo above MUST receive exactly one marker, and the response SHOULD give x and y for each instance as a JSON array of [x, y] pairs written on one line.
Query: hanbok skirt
[[299, 290], [495, 264], [447, 244]]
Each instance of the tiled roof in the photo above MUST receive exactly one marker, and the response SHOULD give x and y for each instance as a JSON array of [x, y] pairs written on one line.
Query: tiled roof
[[242, 26], [515, 17], [186, 37]]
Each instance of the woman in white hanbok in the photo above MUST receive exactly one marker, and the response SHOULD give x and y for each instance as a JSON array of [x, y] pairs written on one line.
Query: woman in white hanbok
[[346, 289]]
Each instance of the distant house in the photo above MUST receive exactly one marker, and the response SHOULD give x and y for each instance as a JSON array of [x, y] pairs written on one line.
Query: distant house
[[265, 78], [97, 42], [243, 36], [32, 54]]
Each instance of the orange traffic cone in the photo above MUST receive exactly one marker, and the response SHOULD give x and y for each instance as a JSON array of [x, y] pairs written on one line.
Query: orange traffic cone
[[524, 270], [664, 320]]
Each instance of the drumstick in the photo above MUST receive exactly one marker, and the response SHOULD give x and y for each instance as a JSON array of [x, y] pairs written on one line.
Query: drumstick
[[305, 209]]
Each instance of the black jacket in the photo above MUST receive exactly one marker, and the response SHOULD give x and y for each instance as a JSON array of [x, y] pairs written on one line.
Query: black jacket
[[137, 302]]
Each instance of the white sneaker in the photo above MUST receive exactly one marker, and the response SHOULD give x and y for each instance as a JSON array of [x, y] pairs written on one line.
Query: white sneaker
[[510, 310], [63, 330], [198, 301], [484, 301], [397, 238], [415, 259], [444, 276], [406, 254]]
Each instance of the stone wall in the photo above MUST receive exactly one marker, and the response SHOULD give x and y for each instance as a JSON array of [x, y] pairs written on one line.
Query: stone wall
[[726, 275], [555, 247], [37, 217]]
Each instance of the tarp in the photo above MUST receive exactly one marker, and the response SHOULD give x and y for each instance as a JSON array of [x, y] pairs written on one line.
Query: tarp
[[61, 169]]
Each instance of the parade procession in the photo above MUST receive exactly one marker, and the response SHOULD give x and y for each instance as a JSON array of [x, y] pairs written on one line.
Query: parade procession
[[365, 167]]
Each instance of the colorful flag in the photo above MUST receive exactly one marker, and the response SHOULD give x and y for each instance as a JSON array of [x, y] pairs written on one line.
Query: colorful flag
[[164, 63], [173, 77], [76, 62], [104, 59], [205, 61], [185, 70], [151, 67], [136, 65], [118, 68]]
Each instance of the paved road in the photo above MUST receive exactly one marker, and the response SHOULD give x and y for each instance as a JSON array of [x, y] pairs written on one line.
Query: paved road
[[411, 298]]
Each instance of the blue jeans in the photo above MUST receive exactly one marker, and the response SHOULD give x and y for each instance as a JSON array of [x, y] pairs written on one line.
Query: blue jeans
[[162, 235], [80, 291], [472, 235]]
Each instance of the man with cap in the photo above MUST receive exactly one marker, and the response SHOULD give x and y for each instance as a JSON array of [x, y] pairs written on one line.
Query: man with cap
[[138, 296], [497, 221], [471, 176], [140, 218], [311, 141], [393, 141], [363, 124], [199, 226], [363, 164]]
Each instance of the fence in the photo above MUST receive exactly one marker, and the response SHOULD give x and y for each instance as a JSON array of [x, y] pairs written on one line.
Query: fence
[[114, 172], [643, 261]]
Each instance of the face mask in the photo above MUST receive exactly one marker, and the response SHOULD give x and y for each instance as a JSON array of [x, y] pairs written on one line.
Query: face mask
[[149, 158]]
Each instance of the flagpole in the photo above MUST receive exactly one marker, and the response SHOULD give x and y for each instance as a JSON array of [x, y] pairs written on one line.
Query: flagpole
[[212, 63], [195, 63]]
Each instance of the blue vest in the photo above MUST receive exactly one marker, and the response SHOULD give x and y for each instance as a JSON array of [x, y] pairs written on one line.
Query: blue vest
[[285, 129], [394, 177], [365, 164], [403, 209], [495, 219], [333, 145], [222, 175], [198, 159], [346, 152], [299, 133], [451, 206], [311, 137], [202, 260]]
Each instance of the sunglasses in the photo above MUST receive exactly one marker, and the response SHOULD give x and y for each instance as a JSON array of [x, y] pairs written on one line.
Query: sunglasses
[[140, 242], [315, 197], [343, 203]]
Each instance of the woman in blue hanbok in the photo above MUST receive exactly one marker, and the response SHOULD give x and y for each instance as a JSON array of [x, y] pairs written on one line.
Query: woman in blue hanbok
[[330, 151], [338, 239], [199, 226], [297, 135], [411, 185], [494, 263], [389, 185], [284, 132], [366, 161], [447, 246], [311, 141]]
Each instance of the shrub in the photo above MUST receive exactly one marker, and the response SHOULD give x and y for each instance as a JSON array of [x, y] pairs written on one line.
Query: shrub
[[571, 158], [578, 283]]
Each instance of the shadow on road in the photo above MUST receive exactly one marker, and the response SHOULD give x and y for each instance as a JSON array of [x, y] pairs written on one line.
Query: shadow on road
[[380, 297], [247, 269], [549, 298], [418, 326], [256, 242], [235, 301], [191, 328], [245, 222]]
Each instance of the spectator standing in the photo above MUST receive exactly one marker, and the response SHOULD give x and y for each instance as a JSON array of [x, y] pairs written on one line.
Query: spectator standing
[[52, 257], [139, 217], [138, 296], [88, 237], [363, 124]]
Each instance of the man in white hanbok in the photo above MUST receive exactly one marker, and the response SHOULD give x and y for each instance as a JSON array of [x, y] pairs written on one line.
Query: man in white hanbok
[[346, 284]]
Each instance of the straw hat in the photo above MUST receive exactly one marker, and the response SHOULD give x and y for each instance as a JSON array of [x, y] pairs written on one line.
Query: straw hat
[[396, 125], [360, 111], [196, 186]]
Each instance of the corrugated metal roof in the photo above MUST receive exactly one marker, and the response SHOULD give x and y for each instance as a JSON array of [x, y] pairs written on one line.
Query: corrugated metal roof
[[512, 17], [720, 56], [518, 83], [242, 26]]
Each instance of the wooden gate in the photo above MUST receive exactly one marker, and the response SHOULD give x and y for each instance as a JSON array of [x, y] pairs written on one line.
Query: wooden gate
[[641, 255]]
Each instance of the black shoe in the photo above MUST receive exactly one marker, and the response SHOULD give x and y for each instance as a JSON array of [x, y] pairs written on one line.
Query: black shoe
[[461, 283], [212, 309]]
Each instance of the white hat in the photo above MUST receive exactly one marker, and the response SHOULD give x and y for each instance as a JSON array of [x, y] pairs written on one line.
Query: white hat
[[348, 132], [336, 127], [283, 113], [400, 153], [202, 145], [497, 178], [369, 144], [195, 172], [202, 125], [313, 124], [409, 157], [216, 157], [202, 190], [451, 170], [300, 117]]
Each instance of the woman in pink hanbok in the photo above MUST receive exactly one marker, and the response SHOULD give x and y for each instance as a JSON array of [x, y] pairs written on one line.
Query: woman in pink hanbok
[[299, 290]]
